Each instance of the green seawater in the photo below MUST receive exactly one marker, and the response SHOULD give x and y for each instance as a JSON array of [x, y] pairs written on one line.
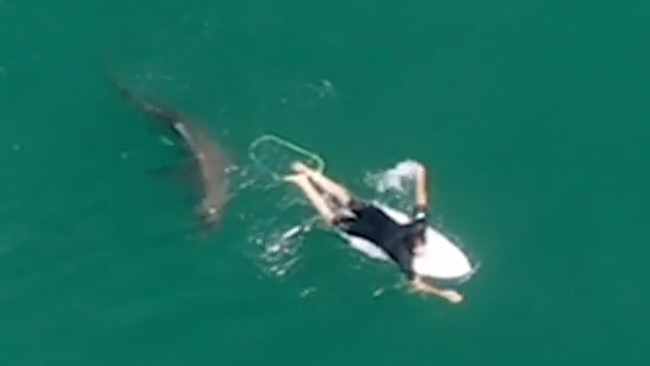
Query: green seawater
[[532, 117]]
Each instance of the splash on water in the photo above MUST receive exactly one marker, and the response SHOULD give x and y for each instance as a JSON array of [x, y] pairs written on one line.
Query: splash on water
[[394, 186]]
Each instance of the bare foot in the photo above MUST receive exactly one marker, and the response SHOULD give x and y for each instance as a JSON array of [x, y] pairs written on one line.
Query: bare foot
[[296, 178], [301, 168]]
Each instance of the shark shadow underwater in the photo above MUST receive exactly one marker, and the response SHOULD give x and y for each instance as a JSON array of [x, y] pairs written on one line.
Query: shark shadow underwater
[[207, 165]]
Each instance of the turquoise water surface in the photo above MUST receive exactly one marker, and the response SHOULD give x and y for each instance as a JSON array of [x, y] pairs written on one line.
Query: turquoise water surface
[[531, 116]]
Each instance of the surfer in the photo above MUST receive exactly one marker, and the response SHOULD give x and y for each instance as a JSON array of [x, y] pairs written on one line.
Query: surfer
[[340, 209]]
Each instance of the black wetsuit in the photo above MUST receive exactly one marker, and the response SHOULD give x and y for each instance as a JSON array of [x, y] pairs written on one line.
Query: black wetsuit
[[397, 240]]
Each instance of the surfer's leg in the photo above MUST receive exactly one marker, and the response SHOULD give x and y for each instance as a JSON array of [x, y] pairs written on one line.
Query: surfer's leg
[[330, 187], [317, 200]]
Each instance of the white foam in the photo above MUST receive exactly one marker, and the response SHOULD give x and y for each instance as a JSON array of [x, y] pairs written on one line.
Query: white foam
[[396, 177]]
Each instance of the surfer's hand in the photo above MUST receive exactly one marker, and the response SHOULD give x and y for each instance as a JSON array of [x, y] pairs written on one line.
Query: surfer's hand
[[418, 167], [452, 296], [300, 168]]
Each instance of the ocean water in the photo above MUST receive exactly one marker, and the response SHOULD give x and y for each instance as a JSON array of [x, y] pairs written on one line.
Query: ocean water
[[530, 115]]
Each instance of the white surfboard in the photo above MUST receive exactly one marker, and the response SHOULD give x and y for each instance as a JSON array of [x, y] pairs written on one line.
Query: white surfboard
[[442, 259]]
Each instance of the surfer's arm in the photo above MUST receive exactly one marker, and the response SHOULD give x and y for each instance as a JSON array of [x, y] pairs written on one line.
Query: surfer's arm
[[421, 194], [421, 286], [420, 211]]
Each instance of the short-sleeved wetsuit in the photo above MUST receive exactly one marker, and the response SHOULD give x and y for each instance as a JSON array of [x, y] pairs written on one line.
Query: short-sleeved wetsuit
[[397, 240]]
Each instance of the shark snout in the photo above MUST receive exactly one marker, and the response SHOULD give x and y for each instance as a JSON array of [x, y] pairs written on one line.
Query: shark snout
[[210, 216]]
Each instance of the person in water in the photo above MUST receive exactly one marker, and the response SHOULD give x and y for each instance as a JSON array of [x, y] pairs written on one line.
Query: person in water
[[356, 217]]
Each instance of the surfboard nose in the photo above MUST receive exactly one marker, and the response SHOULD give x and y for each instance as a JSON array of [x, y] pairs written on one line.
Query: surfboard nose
[[442, 259]]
